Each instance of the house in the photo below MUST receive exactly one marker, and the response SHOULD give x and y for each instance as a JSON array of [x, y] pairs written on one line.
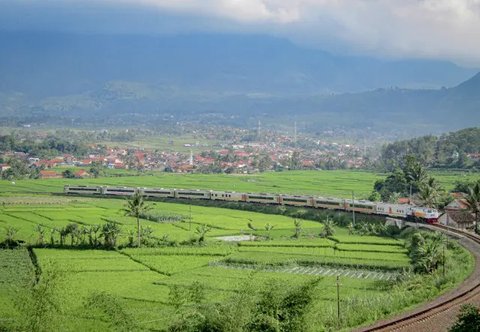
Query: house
[[457, 204], [80, 174], [4, 167], [44, 174], [403, 200], [461, 219]]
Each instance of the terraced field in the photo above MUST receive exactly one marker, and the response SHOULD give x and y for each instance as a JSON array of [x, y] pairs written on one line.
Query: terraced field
[[142, 280]]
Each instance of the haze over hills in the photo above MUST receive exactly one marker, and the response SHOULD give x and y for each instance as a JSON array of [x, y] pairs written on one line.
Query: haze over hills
[[71, 63], [233, 79]]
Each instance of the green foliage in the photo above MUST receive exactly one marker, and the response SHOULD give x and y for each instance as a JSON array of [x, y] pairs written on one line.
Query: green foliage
[[468, 320], [426, 252], [272, 309], [10, 235], [136, 207], [163, 217], [68, 174], [411, 178], [298, 228], [19, 169], [39, 304], [110, 232], [375, 196], [202, 231], [180, 296], [328, 228], [112, 310], [447, 151], [472, 200]]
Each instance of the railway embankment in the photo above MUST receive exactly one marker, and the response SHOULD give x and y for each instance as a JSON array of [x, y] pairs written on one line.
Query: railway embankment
[[438, 315]]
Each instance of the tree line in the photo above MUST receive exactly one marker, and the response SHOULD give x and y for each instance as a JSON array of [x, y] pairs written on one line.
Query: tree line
[[445, 151]]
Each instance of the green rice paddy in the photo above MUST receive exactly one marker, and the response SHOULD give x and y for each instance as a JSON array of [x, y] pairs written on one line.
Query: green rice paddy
[[141, 279], [339, 183]]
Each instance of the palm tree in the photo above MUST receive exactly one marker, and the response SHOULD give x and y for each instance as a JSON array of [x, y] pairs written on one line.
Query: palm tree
[[351, 228], [298, 228], [10, 237], [135, 207], [93, 235], [328, 228], [268, 228], [41, 235], [202, 231], [429, 193], [415, 173], [110, 232], [430, 256], [472, 201]]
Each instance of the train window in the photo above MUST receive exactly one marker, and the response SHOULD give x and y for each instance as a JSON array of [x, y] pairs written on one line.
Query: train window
[[191, 193], [295, 200], [259, 197]]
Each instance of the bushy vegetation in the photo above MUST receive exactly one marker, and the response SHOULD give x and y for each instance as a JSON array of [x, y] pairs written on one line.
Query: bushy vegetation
[[412, 180], [447, 151], [468, 320], [153, 287]]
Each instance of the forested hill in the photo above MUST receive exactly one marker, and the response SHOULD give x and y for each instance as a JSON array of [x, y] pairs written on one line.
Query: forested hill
[[460, 149], [62, 79]]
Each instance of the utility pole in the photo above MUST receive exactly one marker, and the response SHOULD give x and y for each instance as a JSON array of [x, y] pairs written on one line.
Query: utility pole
[[190, 218], [338, 299], [353, 206], [410, 197], [443, 252], [295, 133]]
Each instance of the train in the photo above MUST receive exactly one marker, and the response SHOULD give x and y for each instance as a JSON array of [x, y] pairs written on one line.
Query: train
[[404, 211]]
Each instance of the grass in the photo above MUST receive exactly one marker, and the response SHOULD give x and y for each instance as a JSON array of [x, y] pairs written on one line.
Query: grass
[[338, 183], [141, 278]]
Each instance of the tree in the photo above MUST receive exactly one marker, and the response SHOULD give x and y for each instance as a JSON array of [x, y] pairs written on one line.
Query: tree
[[375, 196], [68, 174], [18, 170], [202, 231], [10, 237], [73, 230], [351, 228], [426, 253], [468, 320], [112, 309], [41, 235], [268, 228], [135, 207], [472, 201], [38, 304], [110, 232], [298, 228], [429, 193], [328, 228], [96, 169], [414, 172], [295, 161], [93, 235]]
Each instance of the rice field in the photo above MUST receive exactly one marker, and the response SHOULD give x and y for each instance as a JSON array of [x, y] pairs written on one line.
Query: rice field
[[338, 183], [142, 279]]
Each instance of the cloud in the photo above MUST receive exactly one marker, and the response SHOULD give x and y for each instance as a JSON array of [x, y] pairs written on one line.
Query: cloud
[[442, 29]]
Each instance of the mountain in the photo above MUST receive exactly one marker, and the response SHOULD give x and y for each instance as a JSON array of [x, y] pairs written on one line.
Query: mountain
[[54, 64], [226, 79]]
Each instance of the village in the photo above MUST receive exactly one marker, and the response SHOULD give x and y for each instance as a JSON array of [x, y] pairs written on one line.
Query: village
[[271, 153]]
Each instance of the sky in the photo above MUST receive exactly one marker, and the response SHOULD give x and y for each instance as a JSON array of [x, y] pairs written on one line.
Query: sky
[[435, 29]]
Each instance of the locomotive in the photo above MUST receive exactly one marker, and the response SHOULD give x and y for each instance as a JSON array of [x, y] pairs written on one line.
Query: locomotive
[[406, 211]]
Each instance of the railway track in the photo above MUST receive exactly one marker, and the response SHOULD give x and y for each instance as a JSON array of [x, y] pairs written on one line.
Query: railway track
[[440, 314]]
